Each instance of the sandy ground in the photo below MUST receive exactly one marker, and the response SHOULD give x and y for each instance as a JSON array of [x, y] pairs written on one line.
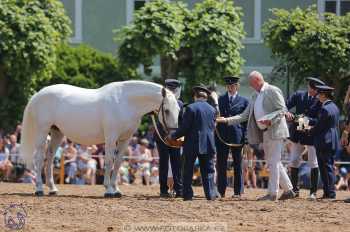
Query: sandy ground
[[82, 208]]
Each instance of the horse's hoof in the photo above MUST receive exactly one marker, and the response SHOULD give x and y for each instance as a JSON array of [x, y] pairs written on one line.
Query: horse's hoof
[[39, 193], [109, 195], [53, 193], [117, 195]]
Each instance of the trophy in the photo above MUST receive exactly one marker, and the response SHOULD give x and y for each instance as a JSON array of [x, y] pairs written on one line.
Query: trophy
[[302, 122]]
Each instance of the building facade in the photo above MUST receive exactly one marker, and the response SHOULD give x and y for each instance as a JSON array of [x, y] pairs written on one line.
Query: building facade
[[93, 22]]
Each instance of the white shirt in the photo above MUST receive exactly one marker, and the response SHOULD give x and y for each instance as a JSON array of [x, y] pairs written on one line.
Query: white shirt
[[231, 97], [258, 107]]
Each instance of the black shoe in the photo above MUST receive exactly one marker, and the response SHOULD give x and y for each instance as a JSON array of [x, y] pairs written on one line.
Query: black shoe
[[178, 195], [165, 195], [187, 198], [328, 197]]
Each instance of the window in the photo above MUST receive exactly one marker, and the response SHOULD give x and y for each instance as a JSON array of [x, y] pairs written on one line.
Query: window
[[139, 4], [338, 7], [74, 10], [133, 5]]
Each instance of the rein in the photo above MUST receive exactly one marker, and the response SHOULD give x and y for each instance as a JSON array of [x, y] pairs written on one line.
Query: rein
[[167, 129], [217, 131], [157, 131], [224, 142]]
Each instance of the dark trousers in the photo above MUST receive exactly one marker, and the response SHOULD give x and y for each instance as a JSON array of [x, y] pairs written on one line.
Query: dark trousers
[[165, 153], [221, 169], [325, 159], [206, 163]]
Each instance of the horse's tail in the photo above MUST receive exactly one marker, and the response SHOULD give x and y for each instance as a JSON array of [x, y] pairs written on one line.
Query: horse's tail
[[28, 136]]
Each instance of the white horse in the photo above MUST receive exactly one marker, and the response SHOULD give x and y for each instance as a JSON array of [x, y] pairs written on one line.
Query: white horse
[[110, 115]]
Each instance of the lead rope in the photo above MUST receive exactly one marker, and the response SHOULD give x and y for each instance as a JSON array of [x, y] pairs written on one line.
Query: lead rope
[[227, 144], [157, 131]]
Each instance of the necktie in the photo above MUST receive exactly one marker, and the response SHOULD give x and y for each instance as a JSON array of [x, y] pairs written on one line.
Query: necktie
[[309, 100], [231, 101]]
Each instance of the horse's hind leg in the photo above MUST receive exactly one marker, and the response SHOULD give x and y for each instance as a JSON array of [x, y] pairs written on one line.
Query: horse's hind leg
[[39, 161], [118, 159], [56, 138]]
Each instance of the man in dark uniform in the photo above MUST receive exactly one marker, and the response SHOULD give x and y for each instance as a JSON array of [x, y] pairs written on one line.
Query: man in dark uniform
[[306, 103], [326, 139], [198, 128], [166, 152], [230, 104]]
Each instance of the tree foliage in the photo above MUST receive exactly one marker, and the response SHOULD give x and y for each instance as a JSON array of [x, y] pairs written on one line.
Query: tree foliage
[[157, 29], [201, 45], [86, 67], [309, 45], [30, 31]]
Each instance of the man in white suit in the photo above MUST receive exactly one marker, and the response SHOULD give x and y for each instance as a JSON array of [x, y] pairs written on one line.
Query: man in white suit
[[267, 124]]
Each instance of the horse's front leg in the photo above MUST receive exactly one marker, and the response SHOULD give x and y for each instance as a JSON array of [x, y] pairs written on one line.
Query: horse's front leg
[[118, 159], [111, 149]]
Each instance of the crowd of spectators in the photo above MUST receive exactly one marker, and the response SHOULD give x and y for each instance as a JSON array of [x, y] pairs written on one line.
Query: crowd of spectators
[[84, 164]]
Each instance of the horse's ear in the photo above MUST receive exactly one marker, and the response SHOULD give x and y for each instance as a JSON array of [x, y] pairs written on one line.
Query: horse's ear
[[163, 92]]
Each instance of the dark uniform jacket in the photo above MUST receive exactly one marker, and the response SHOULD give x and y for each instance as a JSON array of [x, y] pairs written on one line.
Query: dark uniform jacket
[[198, 128], [303, 105], [234, 133], [325, 130]]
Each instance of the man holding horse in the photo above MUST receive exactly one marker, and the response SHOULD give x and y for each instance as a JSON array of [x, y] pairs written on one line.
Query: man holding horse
[[230, 104], [166, 152], [198, 129]]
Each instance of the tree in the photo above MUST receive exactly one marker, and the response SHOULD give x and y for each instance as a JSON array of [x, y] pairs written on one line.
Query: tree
[[86, 67], [311, 46], [30, 31], [201, 45]]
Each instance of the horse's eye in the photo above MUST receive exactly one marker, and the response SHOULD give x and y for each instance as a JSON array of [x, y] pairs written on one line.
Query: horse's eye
[[167, 112]]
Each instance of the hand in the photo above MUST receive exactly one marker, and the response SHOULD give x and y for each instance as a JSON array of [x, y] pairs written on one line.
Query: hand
[[221, 120], [265, 122], [289, 116], [344, 139], [347, 149]]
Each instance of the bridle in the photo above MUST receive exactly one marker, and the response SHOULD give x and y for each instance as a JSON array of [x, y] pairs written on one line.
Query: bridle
[[167, 128]]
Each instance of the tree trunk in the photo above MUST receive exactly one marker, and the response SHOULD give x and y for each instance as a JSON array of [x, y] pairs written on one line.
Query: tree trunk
[[3, 82], [168, 68]]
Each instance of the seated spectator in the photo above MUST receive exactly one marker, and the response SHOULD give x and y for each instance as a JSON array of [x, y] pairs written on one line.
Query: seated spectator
[[123, 177], [343, 183], [154, 179], [249, 167], [86, 164], [144, 159], [59, 153], [70, 157], [98, 153], [28, 177], [14, 149], [5, 164]]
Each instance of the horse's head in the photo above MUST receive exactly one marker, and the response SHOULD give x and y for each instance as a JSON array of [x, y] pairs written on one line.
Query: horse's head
[[169, 110]]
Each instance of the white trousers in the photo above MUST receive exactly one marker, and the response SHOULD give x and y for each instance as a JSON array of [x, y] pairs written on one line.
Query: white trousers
[[278, 174], [295, 155]]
